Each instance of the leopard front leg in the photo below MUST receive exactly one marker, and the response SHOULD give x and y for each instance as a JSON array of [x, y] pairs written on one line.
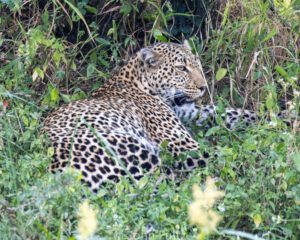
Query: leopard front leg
[[205, 116], [178, 139]]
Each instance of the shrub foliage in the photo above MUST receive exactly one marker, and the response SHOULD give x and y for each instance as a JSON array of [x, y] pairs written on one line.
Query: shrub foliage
[[54, 52]]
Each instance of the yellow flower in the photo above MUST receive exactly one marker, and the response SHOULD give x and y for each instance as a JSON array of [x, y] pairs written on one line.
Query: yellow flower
[[286, 3], [200, 211], [87, 222]]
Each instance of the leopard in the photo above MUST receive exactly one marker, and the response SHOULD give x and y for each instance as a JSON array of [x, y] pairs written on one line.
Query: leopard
[[118, 131], [151, 100]]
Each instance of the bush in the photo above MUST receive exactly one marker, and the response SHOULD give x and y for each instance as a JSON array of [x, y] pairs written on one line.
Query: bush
[[53, 52]]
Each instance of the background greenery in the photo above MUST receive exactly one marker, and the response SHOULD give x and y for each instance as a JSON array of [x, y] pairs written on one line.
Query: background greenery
[[54, 52]]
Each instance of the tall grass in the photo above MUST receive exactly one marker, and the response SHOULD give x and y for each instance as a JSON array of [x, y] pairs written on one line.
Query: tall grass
[[250, 54]]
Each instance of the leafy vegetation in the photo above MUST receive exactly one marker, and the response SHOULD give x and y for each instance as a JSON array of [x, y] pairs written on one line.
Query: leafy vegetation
[[54, 52]]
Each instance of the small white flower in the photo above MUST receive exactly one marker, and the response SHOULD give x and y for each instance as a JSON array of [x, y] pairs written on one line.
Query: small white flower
[[221, 208], [273, 124]]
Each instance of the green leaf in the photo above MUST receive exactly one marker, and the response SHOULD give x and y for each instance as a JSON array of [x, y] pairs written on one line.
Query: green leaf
[[296, 159], [45, 18], [257, 220], [57, 57], [37, 72], [14, 5], [157, 34], [60, 74], [66, 98], [103, 41], [90, 70], [50, 151], [270, 101], [212, 131], [164, 144], [221, 73], [3, 91], [113, 31], [225, 14], [110, 31], [143, 182], [25, 120], [193, 154], [281, 71], [120, 188], [54, 95], [91, 9], [230, 172], [125, 8], [270, 35]]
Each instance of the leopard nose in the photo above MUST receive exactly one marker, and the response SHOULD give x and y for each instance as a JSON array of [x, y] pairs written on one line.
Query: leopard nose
[[202, 89]]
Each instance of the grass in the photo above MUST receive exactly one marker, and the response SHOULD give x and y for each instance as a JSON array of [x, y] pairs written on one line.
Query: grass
[[250, 55]]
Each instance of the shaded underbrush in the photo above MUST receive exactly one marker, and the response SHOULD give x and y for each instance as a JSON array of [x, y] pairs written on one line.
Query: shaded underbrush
[[54, 52]]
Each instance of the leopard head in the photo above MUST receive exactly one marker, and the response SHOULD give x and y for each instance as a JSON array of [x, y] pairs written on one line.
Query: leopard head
[[171, 71]]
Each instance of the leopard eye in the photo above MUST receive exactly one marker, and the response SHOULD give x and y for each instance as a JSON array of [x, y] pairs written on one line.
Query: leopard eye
[[182, 68]]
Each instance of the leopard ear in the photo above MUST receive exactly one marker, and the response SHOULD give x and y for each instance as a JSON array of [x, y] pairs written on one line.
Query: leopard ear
[[148, 57]]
